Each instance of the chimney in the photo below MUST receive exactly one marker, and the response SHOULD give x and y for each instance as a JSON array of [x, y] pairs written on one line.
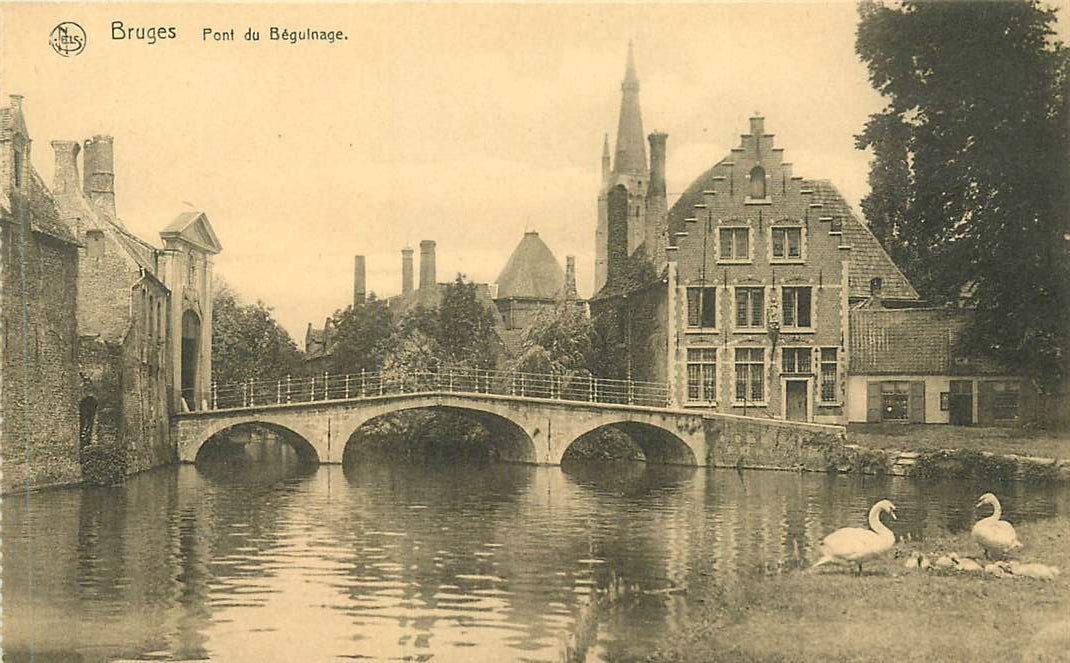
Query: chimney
[[657, 164], [358, 281], [757, 126], [655, 232], [427, 263], [65, 179], [570, 278], [406, 270], [99, 184]]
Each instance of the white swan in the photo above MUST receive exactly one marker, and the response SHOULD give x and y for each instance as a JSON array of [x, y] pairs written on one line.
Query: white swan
[[855, 544], [997, 537]]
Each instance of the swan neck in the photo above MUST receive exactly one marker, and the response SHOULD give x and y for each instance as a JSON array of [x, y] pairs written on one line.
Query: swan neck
[[997, 510], [875, 523]]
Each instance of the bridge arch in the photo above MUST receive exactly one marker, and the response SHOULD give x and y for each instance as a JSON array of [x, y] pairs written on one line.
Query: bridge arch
[[510, 441], [292, 435], [658, 444]]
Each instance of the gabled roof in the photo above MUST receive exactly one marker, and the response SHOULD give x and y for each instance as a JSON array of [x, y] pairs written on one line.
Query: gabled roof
[[532, 271], [41, 208], [868, 259], [193, 227], [920, 341]]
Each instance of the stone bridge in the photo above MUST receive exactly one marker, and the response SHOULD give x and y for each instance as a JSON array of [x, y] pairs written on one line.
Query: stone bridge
[[525, 429]]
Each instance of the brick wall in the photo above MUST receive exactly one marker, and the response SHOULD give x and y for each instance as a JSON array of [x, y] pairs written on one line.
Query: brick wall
[[40, 388]]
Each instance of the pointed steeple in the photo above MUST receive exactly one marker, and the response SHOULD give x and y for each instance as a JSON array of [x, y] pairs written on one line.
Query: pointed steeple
[[631, 143]]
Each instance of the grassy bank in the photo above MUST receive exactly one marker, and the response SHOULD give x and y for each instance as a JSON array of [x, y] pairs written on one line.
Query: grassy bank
[[925, 437], [890, 613]]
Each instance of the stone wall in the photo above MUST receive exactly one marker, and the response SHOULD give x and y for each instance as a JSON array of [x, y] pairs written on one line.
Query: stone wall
[[39, 415], [772, 444]]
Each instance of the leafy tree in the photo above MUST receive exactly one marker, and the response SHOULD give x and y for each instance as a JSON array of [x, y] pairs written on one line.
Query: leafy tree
[[558, 341], [363, 337], [247, 342], [466, 330], [970, 166]]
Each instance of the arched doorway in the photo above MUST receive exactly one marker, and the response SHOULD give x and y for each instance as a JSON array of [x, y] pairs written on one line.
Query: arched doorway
[[191, 341]]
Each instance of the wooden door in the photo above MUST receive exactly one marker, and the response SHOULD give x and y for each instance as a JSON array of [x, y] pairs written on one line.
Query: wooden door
[[796, 407]]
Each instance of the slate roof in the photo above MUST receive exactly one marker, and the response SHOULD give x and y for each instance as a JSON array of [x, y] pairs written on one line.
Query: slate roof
[[44, 217], [923, 341], [868, 259], [532, 271]]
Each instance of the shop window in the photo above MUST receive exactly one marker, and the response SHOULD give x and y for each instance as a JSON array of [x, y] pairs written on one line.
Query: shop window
[[796, 307], [1005, 399], [895, 401], [701, 307], [734, 244], [750, 307], [750, 375], [701, 375], [796, 360]]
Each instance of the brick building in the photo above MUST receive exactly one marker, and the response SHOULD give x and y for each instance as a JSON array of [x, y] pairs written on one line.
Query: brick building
[[39, 387], [144, 314]]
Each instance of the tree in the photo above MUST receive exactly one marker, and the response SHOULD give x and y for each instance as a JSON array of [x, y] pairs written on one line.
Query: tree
[[558, 341], [466, 328], [247, 342], [970, 167], [363, 337]]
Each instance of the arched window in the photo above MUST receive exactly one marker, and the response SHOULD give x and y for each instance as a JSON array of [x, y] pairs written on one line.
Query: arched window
[[757, 182]]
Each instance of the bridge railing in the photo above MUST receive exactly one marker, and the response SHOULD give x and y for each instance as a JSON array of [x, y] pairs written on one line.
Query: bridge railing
[[355, 386]]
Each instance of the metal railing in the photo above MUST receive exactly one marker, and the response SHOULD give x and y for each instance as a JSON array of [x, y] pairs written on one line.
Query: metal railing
[[356, 386]]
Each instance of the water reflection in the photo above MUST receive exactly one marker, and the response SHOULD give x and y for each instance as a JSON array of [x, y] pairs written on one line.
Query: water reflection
[[259, 558]]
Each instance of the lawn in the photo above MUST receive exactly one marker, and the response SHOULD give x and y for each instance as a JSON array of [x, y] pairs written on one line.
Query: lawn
[[922, 437], [890, 613]]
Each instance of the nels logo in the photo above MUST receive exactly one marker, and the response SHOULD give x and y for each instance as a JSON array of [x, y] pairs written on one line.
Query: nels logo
[[68, 39]]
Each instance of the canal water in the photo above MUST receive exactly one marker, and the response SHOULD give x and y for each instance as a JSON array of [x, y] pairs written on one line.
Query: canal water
[[262, 560]]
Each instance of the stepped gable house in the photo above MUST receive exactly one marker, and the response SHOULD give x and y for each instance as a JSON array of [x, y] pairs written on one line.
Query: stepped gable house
[[767, 267], [38, 298], [144, 313]]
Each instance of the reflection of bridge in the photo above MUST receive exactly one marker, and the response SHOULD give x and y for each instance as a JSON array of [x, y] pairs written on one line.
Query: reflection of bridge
[[532, 417]]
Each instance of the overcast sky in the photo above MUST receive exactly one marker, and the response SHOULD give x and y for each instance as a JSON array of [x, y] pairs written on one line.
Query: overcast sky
[[462, 124]]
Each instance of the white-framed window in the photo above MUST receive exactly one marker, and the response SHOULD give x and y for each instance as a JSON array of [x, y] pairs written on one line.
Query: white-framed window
[[795, 308], [701, 375], [830, 375], [702, 307], [1005, 397], [750, 307], [795, 361], [750, 375], [895, 401], [733, 244], [786, 244]]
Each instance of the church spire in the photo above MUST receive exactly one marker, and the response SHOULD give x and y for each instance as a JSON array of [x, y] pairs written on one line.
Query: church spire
[[605, 160], [631, 144]]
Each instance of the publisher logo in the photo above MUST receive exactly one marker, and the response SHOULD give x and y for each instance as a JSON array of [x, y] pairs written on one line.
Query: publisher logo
[[67, 39]]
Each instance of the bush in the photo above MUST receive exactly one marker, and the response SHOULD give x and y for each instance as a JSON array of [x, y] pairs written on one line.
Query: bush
[[964, 464]]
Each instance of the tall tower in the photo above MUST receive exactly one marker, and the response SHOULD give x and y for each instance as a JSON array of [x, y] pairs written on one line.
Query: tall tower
[[631, 171]]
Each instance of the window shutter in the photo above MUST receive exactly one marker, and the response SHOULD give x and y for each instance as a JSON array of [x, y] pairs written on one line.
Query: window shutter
[[916, 404], [873, 402]]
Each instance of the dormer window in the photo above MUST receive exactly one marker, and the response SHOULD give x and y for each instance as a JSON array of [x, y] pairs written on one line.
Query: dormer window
[[757, 183], [875, 285]]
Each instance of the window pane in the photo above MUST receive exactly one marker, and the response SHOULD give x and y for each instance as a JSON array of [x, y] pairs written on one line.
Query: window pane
[[726, 243], [802, 297], [709, 382], [757, 306], [708, 308], [828, 354], [693, 305], [794, 237], [692, 381], [778, 243], [741, 382], [742, 243], [741, 307], [789, 307], [757, 387]]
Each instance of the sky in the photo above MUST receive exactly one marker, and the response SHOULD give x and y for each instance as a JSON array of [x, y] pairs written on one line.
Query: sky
[[465, 124]]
